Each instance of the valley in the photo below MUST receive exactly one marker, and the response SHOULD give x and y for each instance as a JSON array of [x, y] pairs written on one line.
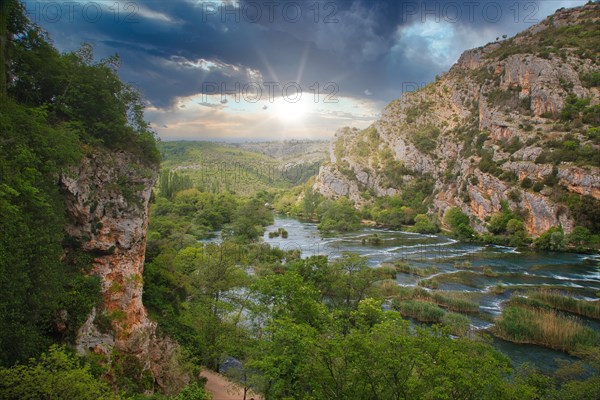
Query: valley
[[447, 249]]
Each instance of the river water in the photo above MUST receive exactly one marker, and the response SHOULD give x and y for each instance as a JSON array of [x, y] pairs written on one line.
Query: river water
[[577, 273]]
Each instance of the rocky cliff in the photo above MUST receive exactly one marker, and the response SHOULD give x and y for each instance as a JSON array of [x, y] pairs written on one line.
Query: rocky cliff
[[512, 122], [107, 199]]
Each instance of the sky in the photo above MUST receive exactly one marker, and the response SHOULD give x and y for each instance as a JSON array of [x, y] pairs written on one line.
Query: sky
[[247, 70]]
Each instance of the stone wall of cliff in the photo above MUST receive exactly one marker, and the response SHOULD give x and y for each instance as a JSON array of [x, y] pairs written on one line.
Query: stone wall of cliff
[[107, 198], [485, 127]]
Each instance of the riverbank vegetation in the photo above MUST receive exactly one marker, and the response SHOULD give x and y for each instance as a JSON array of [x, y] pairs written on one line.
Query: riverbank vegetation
[[452, 301], [409, 212], [302, 328], [554, 299], [526, 324]]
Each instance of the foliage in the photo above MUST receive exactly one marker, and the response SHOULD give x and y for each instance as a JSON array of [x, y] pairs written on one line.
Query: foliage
[[249, 220], [75, 89], [36, 282], [551, 240], [338, 215], [194, 391], [402, 209], [591, 79], [458, 222], [569, 150], [424, 224], [170, 182], [57, 374], [425, 139], [507, 227], [54, 107]]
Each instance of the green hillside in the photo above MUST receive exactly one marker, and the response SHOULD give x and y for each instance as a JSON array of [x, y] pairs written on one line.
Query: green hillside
[[242, 169]]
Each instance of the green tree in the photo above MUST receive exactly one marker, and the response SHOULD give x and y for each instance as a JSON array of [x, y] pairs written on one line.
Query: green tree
[[424, 225], [551, 240], [459, 223], [338, 216]]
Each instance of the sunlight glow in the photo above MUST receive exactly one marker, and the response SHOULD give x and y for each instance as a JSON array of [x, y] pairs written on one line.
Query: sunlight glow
[[288, 111]]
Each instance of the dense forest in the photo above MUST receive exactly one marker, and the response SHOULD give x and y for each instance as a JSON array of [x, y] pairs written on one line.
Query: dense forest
[[283, 326]]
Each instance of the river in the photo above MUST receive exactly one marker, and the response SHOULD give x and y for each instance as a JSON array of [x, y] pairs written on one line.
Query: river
[[506, 266]]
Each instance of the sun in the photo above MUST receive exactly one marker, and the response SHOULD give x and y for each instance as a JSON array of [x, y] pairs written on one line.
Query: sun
[[292, 112]]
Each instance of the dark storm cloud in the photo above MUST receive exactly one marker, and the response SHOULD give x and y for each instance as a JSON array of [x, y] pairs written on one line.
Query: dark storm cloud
[[173, 48]]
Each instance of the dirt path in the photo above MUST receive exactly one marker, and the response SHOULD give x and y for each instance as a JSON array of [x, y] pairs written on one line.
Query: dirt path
[[223, 389]]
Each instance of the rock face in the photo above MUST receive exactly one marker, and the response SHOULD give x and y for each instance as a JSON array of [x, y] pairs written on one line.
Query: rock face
[[107, 198], [488, 130]]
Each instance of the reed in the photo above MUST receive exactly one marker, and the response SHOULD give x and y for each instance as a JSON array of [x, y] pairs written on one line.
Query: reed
[[423, 311], [389, 288], [555, 299], [463, 265], [429, 283], [456, 302], [423, 271], [458, 323], [522, 324], [453, 301], [497, 289]]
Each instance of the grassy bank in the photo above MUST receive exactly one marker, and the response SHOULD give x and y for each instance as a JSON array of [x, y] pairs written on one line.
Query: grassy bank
[[423, 271], [453, 301], [522, 324], [555, 299], [425, 311]]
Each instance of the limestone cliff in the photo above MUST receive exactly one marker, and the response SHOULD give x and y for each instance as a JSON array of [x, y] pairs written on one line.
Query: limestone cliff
[[513, 121], [107, 199]]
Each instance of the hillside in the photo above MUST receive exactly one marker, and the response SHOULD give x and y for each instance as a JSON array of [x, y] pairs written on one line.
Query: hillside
[[511, 128], [244, 168]]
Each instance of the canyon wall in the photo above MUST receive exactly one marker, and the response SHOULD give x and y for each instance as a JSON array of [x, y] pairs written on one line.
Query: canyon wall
[[488, 128]]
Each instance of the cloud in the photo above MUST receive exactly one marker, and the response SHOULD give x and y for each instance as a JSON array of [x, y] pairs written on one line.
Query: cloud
[[174, 49], [205, 120]]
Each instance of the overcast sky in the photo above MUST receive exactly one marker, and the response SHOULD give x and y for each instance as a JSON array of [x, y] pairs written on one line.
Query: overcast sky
[[232, 70]]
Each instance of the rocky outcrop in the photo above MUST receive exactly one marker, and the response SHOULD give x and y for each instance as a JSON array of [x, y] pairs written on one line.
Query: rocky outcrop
[[107, 198], [486, 131]]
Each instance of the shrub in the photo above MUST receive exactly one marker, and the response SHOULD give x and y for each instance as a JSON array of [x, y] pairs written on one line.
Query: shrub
[[537, 187], [526, 183], [338, 216], [57, 374], [590, 79], [580, 236], [551, 240], [514, 195], [424, 225], [425, 139]]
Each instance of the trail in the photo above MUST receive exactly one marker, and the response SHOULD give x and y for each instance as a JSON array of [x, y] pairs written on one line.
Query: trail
[[223, 389]]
